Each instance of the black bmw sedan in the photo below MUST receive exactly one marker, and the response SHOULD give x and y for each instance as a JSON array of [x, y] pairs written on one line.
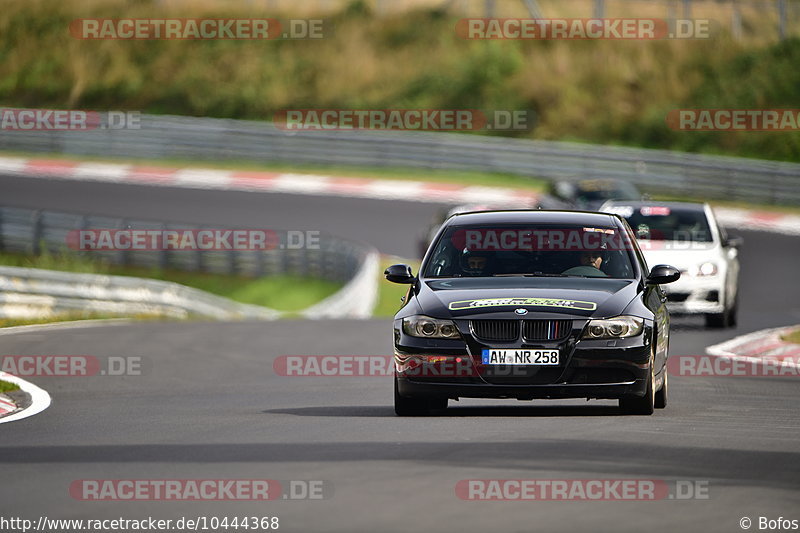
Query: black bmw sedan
[[532, 305]]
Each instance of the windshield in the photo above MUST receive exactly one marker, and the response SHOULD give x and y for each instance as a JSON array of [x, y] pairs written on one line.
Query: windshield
[[530, 250], [661, 223]]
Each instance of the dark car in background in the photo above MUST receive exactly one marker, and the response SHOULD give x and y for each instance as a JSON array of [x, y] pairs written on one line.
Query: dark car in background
[[543, 201], [532, 304], [590, 194]]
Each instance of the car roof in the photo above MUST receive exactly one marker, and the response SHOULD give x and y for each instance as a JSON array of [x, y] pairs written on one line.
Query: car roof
[[539, 216], [687, 206]]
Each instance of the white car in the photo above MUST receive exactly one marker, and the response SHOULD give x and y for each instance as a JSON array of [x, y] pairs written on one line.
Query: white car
[[687, 236]]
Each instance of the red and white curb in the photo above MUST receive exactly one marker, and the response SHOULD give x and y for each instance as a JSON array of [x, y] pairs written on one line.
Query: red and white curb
[[40, 399], [6, 405], [312, 184], [758, 220], [759, 345], [274, 182]]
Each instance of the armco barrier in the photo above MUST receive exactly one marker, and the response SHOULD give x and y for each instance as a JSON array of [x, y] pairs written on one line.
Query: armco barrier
[[658, 171]]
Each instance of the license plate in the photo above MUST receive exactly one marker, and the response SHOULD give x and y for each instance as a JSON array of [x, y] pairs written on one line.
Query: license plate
[[520, 357]]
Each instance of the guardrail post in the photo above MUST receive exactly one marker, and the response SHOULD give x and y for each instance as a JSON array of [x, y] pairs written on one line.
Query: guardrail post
[[599, 9], [259, 263], [736, 21], [36, 230], [199, 258], [2, 242], [163, 258], [231, 262], [123, 254]]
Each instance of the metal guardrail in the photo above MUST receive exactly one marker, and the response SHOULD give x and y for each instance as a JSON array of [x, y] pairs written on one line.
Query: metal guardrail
[[657, 171], [32, 231]]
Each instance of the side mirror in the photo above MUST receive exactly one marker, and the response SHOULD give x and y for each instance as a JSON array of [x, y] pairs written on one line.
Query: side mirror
[[663, 274], [399, 274], [733, 242]]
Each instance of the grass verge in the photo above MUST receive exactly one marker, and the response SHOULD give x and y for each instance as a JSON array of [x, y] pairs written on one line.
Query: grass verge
[[5, 386], [389, 294], [69, 317], [793, 337]]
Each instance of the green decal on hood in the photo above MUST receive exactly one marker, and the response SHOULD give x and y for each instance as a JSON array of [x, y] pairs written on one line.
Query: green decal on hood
[[531, 302]]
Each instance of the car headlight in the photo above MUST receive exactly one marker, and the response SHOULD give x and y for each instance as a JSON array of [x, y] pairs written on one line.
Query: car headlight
[[705, 269], [613, 328], [430, 328]]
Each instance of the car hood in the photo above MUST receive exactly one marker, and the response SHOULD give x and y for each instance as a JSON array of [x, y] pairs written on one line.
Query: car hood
[[540, 297]]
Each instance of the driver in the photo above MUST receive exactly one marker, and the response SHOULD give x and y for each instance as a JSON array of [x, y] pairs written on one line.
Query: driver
[[591, 262], [474, 263], [592, 258]]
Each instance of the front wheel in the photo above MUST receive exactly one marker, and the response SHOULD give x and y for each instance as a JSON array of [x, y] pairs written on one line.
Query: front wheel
[[415, 406], [662, 394], [640, 406]]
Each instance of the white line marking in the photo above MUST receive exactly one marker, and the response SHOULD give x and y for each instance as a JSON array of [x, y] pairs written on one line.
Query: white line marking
[[40, 399]]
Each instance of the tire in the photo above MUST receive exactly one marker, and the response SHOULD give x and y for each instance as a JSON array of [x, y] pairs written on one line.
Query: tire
[[727, 318], [416, 406], [733, 317], [660, 400], [640, 406], [719, 320]]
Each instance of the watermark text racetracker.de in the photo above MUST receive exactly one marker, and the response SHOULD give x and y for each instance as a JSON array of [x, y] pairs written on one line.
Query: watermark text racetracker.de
[[532, 490], [14, 119], [374, 366], [734, 119], [733, 367], [584, 28], [116, 490], [197, 29], [584, 239], [210, 239], [73, 366], [404, 119]]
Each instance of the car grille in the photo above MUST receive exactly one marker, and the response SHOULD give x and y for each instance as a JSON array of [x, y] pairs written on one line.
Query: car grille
[[532, 330], [546, 330], [496, 330]]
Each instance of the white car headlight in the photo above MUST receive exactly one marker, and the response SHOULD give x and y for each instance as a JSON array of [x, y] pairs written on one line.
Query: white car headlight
[[705, 269], [430, 328], [613, 328]]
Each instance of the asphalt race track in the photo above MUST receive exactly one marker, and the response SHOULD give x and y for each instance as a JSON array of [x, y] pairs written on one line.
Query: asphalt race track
[[209, 405]]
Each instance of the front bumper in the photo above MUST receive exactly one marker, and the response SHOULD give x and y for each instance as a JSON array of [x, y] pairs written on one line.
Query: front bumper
[[411, 389], [597, 369], [693, 295]]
